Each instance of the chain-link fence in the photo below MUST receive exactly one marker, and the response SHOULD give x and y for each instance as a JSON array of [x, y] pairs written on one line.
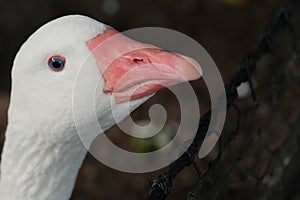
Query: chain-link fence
[[256, 157]]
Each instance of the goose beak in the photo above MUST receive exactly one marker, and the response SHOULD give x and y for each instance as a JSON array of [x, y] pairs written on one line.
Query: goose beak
[[132, 70]]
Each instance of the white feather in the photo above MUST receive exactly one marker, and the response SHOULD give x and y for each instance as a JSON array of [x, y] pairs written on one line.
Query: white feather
[[42, 152]]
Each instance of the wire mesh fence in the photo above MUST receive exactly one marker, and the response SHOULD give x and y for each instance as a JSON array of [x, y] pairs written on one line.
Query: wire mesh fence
[[256, 156]]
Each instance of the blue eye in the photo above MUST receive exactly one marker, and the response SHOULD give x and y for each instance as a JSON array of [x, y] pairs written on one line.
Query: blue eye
[[56, 63]]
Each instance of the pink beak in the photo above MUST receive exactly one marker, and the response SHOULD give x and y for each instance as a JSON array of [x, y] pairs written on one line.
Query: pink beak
[[132, 70]]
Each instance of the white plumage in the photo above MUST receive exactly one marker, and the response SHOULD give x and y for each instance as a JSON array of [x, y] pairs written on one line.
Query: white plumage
[[42, 152]]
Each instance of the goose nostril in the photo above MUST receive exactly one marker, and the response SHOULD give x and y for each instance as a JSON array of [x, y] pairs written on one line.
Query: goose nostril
[[138, 60]]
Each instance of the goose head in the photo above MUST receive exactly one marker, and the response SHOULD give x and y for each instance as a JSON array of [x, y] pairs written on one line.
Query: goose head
[[74, 60]]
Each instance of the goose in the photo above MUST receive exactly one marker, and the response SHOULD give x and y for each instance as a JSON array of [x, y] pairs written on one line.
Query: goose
[[42, 152]]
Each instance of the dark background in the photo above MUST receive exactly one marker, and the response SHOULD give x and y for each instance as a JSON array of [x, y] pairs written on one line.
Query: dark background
[[227, 29]]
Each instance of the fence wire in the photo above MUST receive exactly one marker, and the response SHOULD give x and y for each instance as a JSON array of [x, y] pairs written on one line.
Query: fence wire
[[255, 157]]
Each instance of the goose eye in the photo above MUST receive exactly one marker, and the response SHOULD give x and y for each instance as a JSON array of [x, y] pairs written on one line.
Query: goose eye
[[56, 63]]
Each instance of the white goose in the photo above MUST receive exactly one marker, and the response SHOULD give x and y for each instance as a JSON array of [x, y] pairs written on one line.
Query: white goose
[[43, 152]]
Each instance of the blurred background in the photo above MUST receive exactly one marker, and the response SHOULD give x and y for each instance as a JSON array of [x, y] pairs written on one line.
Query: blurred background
[[227, 29]]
